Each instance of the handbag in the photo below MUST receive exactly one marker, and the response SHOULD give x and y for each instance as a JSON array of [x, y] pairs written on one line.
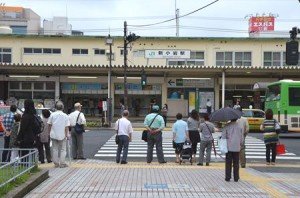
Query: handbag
[[280, 149], [222, 143], [79, 128], [117, 139], [145, 132]]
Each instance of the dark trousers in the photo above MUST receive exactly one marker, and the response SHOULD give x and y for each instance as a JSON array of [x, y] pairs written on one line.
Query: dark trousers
[[6, 153], [269, 147], [232, 158], [77, 144], [165, 119], [40, 147], [155, 139], [123, 145], [195, 138]]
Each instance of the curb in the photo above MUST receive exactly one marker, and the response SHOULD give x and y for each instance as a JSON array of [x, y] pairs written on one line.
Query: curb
[[29, 185]]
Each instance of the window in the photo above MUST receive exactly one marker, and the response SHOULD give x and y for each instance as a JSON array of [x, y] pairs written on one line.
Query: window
[[38, 85], [80, 51], [5, 55], [294, 96], [14, 85], [273, 93], [42, 51], [99, 51], [196, 58], [50, 85], [276, 59], [26, 85], [233, 59], [138, 53], [112, 56]]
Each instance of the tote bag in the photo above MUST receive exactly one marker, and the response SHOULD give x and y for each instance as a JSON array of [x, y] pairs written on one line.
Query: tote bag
[[222, 143]]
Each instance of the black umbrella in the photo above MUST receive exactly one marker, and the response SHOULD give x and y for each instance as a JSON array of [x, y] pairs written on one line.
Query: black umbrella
[[225, 114]]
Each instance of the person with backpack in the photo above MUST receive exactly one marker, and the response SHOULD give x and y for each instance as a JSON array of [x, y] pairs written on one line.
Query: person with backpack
[[271, 129], [43, 140], [29, 127]]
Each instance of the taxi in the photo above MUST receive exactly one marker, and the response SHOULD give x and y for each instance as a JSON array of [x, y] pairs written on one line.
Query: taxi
[[255, 118]]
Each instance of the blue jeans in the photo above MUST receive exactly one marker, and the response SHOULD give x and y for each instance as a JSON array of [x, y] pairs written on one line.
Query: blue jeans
[[123, 145]]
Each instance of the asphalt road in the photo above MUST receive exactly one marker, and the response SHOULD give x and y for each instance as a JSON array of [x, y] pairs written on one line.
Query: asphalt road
[[94, 139]]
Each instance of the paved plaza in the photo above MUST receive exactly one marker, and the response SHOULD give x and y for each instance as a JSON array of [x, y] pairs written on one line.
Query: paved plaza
[[97, 178]]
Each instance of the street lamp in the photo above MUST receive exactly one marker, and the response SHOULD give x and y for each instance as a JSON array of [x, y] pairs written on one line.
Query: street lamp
[[127, 39], [109, 41]]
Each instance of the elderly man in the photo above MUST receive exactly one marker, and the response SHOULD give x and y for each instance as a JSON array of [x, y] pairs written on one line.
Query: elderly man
[[124, 132], [77, 138], [154, 123], [59, 132], [8, 121]]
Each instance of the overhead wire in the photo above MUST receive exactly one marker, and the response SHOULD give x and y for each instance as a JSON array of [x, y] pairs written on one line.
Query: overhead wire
[[172, 19]]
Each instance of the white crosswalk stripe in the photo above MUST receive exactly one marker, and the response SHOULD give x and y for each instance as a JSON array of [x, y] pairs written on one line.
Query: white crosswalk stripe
[[255, 148]]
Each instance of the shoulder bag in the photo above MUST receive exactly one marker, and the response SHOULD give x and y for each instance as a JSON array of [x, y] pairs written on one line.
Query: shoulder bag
[[79, 128], [145, 132], [117, 139]]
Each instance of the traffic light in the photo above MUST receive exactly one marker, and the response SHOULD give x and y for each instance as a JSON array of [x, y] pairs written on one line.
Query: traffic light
[[292, 48], [143, 80], [292, 53]]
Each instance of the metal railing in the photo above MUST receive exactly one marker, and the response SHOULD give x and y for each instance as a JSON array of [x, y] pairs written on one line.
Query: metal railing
[[15, 168]]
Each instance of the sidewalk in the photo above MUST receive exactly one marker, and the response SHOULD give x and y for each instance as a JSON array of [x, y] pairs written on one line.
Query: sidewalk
[[96, 178]]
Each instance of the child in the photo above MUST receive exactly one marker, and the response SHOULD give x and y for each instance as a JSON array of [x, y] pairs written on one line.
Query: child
[[13, 137]]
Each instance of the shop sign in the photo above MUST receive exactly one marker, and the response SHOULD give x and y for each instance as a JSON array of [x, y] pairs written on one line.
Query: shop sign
[[260, 24], [200, 83], [167, 54]]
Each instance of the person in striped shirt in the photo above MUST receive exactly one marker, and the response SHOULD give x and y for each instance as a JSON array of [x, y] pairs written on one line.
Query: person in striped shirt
[[271, 128]]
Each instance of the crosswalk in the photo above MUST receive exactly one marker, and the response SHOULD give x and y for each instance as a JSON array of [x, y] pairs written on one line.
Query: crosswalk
[[255, 148]]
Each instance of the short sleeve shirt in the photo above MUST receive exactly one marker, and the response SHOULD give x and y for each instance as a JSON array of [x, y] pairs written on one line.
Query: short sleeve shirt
[[59, 121], [180, 127]]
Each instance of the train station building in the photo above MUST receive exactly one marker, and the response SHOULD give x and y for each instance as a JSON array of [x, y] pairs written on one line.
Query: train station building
[[181, 72]]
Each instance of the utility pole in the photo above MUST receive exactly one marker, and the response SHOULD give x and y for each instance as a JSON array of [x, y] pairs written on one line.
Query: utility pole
[[125, 66], [177, 19]]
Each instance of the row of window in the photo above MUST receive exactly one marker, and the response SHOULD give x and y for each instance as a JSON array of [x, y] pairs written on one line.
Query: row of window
[[196, 57]]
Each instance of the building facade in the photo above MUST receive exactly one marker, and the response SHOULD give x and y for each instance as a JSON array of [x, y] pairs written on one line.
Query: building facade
[[181, 72], [20, 20]]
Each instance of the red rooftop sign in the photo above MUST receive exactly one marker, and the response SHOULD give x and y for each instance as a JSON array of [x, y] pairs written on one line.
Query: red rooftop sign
[[261, 24]]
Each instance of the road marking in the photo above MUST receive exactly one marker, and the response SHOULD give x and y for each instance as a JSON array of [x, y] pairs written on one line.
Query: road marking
[[255, 148]]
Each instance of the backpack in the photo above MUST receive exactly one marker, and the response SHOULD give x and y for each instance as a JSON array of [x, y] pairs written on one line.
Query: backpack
[[38, 125]]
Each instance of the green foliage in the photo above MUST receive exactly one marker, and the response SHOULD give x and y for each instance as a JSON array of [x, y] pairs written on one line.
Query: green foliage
[[17, 182], [93, 123]]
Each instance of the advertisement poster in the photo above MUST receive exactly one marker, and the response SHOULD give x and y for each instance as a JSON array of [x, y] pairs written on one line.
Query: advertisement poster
[[192, 101], [203, 99]]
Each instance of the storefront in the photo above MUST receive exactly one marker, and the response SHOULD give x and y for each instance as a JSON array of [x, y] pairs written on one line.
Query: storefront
[[184, 95], [88, 94], [139, 97]]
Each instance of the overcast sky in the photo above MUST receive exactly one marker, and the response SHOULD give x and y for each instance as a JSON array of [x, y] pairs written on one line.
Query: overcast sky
[[225, 18]]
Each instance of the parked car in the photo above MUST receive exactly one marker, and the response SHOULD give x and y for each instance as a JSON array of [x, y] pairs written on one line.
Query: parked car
[[255, 118]]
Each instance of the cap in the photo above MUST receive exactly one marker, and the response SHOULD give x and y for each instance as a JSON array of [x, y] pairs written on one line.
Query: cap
[[155, 107], [77, 105]]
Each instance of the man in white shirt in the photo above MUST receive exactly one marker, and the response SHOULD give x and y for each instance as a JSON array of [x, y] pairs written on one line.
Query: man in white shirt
[[77, 138], [124, 132], [59, 132]]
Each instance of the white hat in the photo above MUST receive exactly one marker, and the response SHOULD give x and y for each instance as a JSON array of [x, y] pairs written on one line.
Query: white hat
[[77, 104]]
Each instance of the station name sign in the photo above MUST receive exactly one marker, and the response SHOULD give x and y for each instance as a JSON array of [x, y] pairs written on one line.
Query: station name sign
[[167, 54]]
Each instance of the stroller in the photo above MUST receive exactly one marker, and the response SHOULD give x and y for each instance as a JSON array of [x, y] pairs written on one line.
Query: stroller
[[186, 152]]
